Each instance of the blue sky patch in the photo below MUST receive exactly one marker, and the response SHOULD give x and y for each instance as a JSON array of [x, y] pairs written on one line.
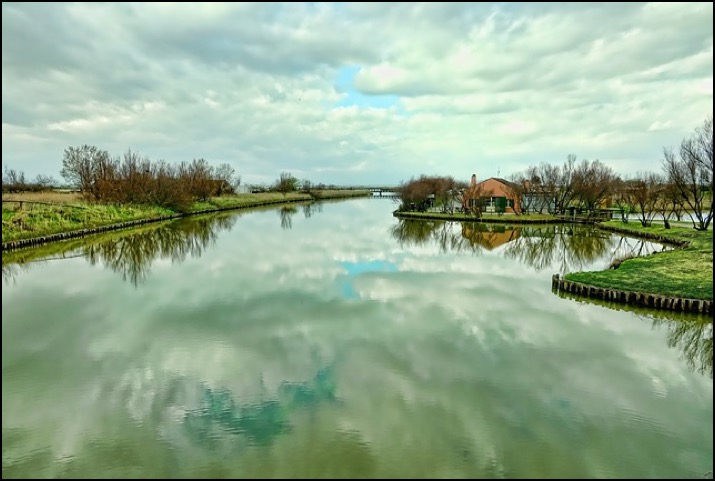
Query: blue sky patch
[[345, 84]]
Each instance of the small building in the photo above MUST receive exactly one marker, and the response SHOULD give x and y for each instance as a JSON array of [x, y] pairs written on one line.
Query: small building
[[493, 195]]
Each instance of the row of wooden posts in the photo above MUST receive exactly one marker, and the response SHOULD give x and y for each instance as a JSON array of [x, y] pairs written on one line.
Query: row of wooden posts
[[654, 301]]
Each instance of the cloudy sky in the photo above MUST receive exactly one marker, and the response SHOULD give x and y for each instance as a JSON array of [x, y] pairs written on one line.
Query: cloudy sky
[[355, 93]]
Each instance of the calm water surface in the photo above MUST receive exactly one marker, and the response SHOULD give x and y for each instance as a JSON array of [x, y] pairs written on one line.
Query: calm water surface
[[332, 340]]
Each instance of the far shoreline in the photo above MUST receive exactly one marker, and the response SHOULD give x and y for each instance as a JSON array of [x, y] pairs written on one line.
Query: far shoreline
[[489, 219], [675, 280], [224, 206]]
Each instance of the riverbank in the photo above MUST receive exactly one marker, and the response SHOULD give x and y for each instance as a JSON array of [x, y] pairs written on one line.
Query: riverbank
[[27, 221], [684, 273], [666, 280], [490, 218]]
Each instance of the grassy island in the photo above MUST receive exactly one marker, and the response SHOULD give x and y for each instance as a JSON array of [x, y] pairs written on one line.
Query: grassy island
[[686, 272]]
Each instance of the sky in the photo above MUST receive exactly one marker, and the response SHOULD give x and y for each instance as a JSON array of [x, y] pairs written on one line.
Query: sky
[[355, 94]]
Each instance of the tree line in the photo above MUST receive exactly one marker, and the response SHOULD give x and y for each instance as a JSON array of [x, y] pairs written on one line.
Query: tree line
[[685, 184], [136, 179], [133, 178], [16, 181]]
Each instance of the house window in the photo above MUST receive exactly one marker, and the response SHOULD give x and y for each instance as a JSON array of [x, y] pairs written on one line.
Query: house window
[[510, 203]]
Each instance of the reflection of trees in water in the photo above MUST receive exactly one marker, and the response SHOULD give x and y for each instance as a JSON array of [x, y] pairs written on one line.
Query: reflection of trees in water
[[312, 208], [16, 262], [567, 247], [451, 239], [286, 214], [570, 246], [694, 338], [691, 334], [414, 232], [539, 246], [131, 253], [573, 246], [11, 270], [422, 232], [633, 247], [260, 422]]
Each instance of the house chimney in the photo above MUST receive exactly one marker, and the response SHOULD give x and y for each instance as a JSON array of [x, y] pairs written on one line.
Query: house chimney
[[473, 182]]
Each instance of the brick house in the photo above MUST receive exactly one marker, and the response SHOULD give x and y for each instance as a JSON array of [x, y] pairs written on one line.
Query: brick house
[[493, 194]]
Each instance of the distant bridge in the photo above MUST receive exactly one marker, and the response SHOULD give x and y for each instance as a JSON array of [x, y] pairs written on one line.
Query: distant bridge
[[377, 191], [367, 187], [384, 193]]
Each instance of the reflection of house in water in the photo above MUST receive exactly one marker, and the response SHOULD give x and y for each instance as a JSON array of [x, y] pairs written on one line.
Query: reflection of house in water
[[489, 236]]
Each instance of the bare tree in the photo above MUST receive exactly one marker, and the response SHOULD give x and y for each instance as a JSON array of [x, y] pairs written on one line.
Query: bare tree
[[443, 192], [306, 186], [13, 180], [691, 173], [556, 185], [286, 183], [135, 179], [44, 182], [550, 176], [168, 188], [593, 182], [644, 191], [456, 196], [226, 180], [671, 198], [527, 187], [201, 176], [408, 194], [425, 191], [80, 166], [624, 199]]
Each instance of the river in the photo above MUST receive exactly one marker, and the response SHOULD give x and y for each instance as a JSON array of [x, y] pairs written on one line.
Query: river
[[333, 340]]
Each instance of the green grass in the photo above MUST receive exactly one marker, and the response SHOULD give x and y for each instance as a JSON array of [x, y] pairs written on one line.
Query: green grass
[[38, 220], [339, 194], [247, 200], [682, 272], [512, 218], [22, 256], [50, 249], [42, 220]]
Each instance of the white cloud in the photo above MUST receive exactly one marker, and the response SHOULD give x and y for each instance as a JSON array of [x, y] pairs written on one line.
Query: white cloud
[[477, 87]]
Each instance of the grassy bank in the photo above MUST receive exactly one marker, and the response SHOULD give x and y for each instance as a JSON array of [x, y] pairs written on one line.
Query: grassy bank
[[59, 249], [510, 218], [44, 214], [681, 272]]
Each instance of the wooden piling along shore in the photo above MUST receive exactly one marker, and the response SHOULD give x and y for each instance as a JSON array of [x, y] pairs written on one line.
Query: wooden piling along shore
[[654, 301], [661, 301]]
